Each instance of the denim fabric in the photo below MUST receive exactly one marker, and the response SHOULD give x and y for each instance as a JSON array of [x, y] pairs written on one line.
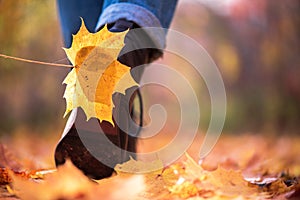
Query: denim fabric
[[130, 12], [146, 13], [70, 13], [162, 9]]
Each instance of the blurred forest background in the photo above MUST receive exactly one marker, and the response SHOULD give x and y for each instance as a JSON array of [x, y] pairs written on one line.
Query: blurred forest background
[[255, 44]]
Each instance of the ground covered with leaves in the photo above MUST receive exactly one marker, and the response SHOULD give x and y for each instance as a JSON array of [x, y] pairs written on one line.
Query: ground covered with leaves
[[244, 166]]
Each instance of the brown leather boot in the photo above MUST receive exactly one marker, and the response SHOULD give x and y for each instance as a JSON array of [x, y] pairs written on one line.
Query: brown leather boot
[[95, 148]]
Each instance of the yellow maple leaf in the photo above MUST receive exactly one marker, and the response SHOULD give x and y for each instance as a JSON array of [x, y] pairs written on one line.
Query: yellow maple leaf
[[138, 167], [97, 74]]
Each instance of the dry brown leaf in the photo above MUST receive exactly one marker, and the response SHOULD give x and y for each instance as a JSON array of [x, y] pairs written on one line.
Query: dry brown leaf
[[185, 179], [229, 183], [67, 183], [195, 181], [4, 177], [139, 167]]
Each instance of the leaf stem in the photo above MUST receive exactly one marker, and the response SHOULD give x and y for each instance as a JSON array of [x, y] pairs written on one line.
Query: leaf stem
[[35, 61]]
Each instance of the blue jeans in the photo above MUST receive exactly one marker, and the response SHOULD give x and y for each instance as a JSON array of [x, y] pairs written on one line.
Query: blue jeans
[[96, 13]]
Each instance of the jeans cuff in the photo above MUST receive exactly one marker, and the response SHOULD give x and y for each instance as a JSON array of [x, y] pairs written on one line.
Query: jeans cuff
[[139, 15]]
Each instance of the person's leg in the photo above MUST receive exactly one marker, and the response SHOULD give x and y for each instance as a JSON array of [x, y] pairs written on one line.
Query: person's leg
[[70, 13], [71, 146], [119, 17], [142, 46], [144, 13], [82, 141]]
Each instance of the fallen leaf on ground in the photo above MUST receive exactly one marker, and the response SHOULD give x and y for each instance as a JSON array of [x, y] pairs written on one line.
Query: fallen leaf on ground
[[139, 167], [185, 179], [67, 183]]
